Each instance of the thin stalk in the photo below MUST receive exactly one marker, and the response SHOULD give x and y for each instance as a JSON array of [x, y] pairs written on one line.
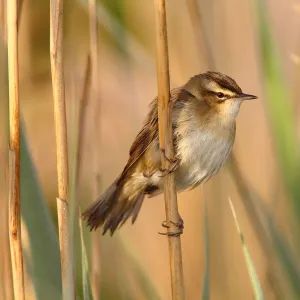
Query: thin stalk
[[84, 263], [6, 285], [166, 144], [20, 6], [82, 117], [3, 21], [206, 281], [56, 57], [200, 34], [94, 85], [96, 267], [77, 133], [14, 159], [256, 285], [78, 145], [93, 37], [95, 276]]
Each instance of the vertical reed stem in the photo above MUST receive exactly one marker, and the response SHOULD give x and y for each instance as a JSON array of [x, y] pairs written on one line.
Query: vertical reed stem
[[166, 143], [96, 103], [3, 20], [14, 166], [5, 266], [57, 71], [201, 38], [82, 118], [93, 38]]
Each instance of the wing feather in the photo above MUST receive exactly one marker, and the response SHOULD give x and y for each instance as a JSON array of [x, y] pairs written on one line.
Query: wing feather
[[147, 135], [144, 138]]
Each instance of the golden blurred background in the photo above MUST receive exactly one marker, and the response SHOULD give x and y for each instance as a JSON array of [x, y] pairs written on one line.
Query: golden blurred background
[[203, 35]]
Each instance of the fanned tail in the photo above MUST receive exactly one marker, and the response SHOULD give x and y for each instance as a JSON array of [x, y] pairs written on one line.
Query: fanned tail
[[113, 209]]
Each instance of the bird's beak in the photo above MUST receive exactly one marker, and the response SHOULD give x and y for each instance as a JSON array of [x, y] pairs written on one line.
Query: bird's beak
[[246, 97]]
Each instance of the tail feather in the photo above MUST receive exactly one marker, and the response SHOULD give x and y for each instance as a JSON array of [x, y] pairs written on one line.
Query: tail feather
[[113, 209], [137, 208], [96, 214], [133, 210]]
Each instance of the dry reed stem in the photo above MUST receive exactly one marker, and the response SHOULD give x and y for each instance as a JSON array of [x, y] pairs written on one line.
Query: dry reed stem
[[94, 84], [20, 5], [166, 142], [14, 153], [84, 260], [6, 268], [82, 116], [201, 37], [81, 125], [93, 38], [5, 263], [56, 57], [3, 22], [95, 270]]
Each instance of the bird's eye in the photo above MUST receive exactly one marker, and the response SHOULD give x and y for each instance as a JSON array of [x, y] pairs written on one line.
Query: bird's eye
[[220, 95]]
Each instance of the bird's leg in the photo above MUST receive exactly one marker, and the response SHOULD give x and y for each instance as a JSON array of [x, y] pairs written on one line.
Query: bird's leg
[[179, 225], [174, 164]]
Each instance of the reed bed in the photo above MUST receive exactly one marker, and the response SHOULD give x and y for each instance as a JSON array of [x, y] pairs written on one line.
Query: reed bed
[[136, 267]]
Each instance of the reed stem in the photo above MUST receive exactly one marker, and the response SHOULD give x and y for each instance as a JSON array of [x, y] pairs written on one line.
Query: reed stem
[[166, 144], [57, 72], [14, 153], [95, 270]]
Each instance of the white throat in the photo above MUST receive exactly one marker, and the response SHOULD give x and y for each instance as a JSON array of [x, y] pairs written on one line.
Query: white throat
[[230, 109]]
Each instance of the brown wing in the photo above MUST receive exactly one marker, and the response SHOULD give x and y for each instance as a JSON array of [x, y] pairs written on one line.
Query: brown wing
[[142, 141], [147, 135]]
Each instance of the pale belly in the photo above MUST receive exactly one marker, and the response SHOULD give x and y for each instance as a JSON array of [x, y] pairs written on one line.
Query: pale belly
[[201, 156]]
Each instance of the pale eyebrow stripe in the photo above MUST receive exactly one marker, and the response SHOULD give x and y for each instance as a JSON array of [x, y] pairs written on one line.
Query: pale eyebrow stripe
[[216, 88]]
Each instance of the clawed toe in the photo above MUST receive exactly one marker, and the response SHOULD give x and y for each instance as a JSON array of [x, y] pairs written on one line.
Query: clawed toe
[[177, 233], [179, 225], [164, 224], [174, 164], [172, 168]]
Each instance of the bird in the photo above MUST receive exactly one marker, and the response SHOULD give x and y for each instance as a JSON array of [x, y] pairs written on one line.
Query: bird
[[203, 115]]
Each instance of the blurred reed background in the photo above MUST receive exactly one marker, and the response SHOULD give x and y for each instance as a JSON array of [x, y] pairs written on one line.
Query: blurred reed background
[[255, 42]]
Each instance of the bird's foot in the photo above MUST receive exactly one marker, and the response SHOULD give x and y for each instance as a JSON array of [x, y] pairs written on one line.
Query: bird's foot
[[174, 164], [171, 169], [170, 160], [179, 225]]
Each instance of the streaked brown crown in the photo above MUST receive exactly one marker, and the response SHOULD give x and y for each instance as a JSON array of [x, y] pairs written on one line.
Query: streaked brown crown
[[206, 81], [222, 80]]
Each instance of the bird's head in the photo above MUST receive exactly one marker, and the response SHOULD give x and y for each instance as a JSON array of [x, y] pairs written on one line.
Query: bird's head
[[218, 91]]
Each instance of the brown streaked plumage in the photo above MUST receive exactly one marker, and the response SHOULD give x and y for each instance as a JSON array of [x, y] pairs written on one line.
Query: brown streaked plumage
[[203, 116]]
